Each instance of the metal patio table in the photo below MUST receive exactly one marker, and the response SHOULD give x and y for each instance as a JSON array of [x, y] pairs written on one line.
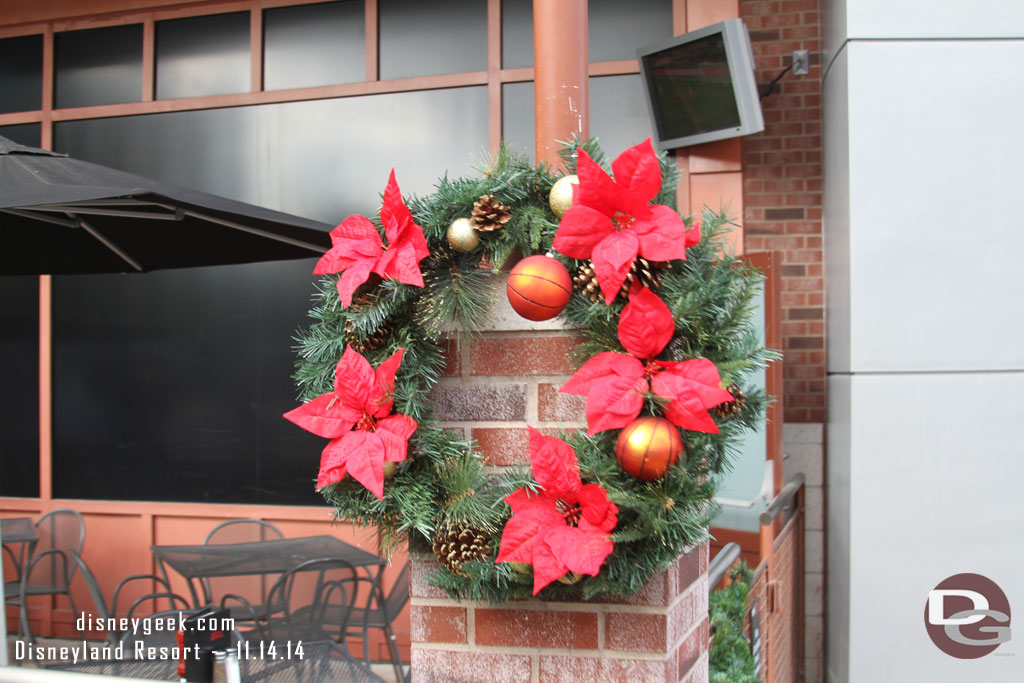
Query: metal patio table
[[20, 530], [320, 661], [196, 562]]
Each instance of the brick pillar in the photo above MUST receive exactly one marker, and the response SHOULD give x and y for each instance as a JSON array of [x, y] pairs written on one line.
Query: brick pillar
[[659, 634], [508, 379]]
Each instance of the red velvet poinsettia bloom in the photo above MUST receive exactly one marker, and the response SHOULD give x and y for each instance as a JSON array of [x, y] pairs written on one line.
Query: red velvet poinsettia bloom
[[357, 249], [615, 383], [563, 528], [612, 221], [357, 417]]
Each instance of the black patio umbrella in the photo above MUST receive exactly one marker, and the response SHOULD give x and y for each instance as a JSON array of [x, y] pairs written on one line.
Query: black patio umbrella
[[60, 215]]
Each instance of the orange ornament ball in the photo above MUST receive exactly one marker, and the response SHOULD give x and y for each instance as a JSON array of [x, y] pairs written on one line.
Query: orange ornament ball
[[648, 446], [539, 287]]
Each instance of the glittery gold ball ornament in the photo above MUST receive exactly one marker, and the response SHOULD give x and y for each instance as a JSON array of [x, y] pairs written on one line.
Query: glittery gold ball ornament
[[462, 236], [647, 447], [389, 469], [560, 198]]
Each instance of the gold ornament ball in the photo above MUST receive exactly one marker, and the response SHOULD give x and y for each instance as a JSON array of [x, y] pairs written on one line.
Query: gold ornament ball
[[390, 468], [570, 579], [520, 567], [560, 198], [462, 236], [647, 447]]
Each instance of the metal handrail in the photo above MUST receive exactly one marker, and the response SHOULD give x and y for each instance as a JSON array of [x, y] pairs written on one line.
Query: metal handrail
[[725, 558], [785, 499]]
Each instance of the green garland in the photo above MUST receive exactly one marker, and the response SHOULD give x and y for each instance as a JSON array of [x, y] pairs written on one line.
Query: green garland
[[443, 483], [730, 659]]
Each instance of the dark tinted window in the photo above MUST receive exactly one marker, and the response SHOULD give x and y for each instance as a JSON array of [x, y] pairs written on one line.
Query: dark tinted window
[[517, 120], [296, 157], [23, 133], [311, 45], [98, 66], [19, 390], [516, 33], [200, 56], [617, 28], [21, 74], [170, 385], [425, 38], [618, 112]]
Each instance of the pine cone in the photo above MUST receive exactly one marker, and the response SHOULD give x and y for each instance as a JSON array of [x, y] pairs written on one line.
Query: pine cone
[[372, 340], [458, 543], [733, 407], [649, 273], [489, 214]]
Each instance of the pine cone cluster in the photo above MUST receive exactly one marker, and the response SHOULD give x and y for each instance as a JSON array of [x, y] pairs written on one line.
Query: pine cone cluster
[[372, 340], [458, 543], [489, 214], [648, 273], [733, 407]]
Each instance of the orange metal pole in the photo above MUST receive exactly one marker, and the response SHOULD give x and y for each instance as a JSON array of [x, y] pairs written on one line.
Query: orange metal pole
[[561, 95]]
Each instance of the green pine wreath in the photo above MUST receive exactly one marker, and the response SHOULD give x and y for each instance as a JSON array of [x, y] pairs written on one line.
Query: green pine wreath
[[442, 491]]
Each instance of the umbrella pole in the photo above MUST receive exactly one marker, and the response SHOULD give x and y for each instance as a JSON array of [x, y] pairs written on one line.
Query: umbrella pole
[[45, 387]]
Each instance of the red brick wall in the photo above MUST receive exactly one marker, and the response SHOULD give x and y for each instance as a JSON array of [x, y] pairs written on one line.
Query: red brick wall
[[785, 621], [782, 191], [660, 634], [493, 389]]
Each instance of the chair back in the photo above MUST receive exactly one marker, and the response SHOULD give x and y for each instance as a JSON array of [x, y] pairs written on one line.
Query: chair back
[[99, 603], [311, 601], [60, 531], [154, 631], [242, 531], [250, 590], [155, 592], [160, 631]]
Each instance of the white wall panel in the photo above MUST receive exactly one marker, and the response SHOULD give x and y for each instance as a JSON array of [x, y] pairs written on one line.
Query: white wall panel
[[935, 490], [833, 28], [836, 149], [934, 18], [837, 536], [935, 145]]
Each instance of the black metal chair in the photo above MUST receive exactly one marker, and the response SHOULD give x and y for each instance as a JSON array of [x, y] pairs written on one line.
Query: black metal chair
[[155, 636], [113, 636], [153, 632], [382, 616], [50, 568], [311, 601], [247, 594]]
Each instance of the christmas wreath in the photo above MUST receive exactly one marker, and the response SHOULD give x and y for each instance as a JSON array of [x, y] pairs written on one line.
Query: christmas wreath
[[669, 345]]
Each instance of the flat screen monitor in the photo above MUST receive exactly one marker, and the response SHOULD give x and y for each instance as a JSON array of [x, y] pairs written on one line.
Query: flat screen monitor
[[700, 86]]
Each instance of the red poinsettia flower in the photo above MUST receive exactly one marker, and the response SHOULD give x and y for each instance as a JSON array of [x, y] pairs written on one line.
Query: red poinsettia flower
[[612, 221], [563, 528], [615, 383], [357, 249], [357, 417]]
